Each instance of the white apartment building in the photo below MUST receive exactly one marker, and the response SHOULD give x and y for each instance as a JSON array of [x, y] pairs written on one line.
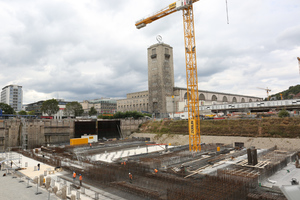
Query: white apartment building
[[13, 96]]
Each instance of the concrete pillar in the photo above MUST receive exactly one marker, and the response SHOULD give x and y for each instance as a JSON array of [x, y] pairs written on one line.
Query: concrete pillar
[[41, 179], [73, 197], [69, 190], [77, 195], [55, 189], [96, 196], [48, 181], [52, 183], [35, 179], [64, 192]]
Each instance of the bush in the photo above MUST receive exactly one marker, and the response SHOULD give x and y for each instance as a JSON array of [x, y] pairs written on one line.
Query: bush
[[283, 113]]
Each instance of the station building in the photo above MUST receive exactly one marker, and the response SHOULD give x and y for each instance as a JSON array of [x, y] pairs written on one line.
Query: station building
[[102, 106], [162, 97]]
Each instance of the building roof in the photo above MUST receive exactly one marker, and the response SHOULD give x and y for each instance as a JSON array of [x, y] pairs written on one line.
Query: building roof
[[180, 88], [11, 86]]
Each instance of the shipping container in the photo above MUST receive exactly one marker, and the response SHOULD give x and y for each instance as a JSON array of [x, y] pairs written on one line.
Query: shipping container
[[91, 138], [79, 141]]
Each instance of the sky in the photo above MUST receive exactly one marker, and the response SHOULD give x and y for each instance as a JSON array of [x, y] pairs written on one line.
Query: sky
[[82, 50]]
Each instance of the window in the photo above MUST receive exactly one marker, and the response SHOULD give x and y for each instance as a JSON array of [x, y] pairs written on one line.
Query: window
[[153, 51], [201, 97], [214, 98], [166, 51]]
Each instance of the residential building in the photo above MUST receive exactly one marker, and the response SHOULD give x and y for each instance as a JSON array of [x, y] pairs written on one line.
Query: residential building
[[13, 96]]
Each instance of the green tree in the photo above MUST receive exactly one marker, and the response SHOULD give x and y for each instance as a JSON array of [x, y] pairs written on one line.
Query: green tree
[[92, 111], [32, 112], [74, 109], [22, 112], [6, 109], [50, 107], [283, 113], [119, 115], [133, 114], [105, 117]]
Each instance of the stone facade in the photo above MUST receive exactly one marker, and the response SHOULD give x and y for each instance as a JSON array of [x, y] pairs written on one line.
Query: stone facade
[[102, 106], [137, 101], [160, 77]]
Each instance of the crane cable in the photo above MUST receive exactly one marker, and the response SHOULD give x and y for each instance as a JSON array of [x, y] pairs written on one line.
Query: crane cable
[[227, 11]]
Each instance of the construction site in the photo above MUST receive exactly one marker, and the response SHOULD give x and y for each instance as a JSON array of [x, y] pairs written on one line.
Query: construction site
[[114, 159], [158, 171]]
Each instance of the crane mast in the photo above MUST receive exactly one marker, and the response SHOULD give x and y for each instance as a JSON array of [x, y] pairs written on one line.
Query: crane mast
[[298, 63], [191, 64]]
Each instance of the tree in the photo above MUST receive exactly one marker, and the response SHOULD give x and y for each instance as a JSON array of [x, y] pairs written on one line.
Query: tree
[[6, 109], [32, 112], [22, 112], [92, 111], [74, 108], [50, 107], [283, 113]]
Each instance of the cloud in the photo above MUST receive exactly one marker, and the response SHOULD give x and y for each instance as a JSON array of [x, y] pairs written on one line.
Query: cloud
[[81, 50]]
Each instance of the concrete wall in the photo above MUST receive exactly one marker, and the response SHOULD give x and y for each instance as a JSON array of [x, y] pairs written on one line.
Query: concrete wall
[[129, 126], [31, 133], [263, 143]]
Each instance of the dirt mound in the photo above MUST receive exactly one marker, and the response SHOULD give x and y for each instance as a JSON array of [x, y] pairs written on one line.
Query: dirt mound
[[266, 127]]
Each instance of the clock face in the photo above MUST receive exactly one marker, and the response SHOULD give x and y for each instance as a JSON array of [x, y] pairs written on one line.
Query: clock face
[[159, 38]]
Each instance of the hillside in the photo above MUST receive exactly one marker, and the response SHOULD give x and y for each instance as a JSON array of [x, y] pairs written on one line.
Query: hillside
[[266, 127], [287, 94]]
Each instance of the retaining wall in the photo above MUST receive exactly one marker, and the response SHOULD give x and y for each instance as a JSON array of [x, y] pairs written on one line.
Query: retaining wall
[[32, 133]]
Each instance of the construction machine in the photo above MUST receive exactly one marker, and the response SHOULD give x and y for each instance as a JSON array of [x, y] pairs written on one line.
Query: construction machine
[[267, 90]]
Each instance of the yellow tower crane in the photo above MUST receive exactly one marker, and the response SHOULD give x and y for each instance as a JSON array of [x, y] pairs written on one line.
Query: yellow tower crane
[[191, 63], [299, 63], [267, 90]]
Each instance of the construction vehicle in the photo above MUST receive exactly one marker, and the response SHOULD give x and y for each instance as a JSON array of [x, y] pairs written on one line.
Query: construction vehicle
[[267, 90], [191, 63]]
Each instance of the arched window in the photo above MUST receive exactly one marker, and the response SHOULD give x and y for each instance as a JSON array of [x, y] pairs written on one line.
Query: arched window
[[234, 100], [202, 97], [225, 99], [243, 100], [214, 98], [250, 100], [185, 95]]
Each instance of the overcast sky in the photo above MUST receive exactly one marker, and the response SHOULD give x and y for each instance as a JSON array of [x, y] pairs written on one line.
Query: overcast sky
[[88, 49]]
